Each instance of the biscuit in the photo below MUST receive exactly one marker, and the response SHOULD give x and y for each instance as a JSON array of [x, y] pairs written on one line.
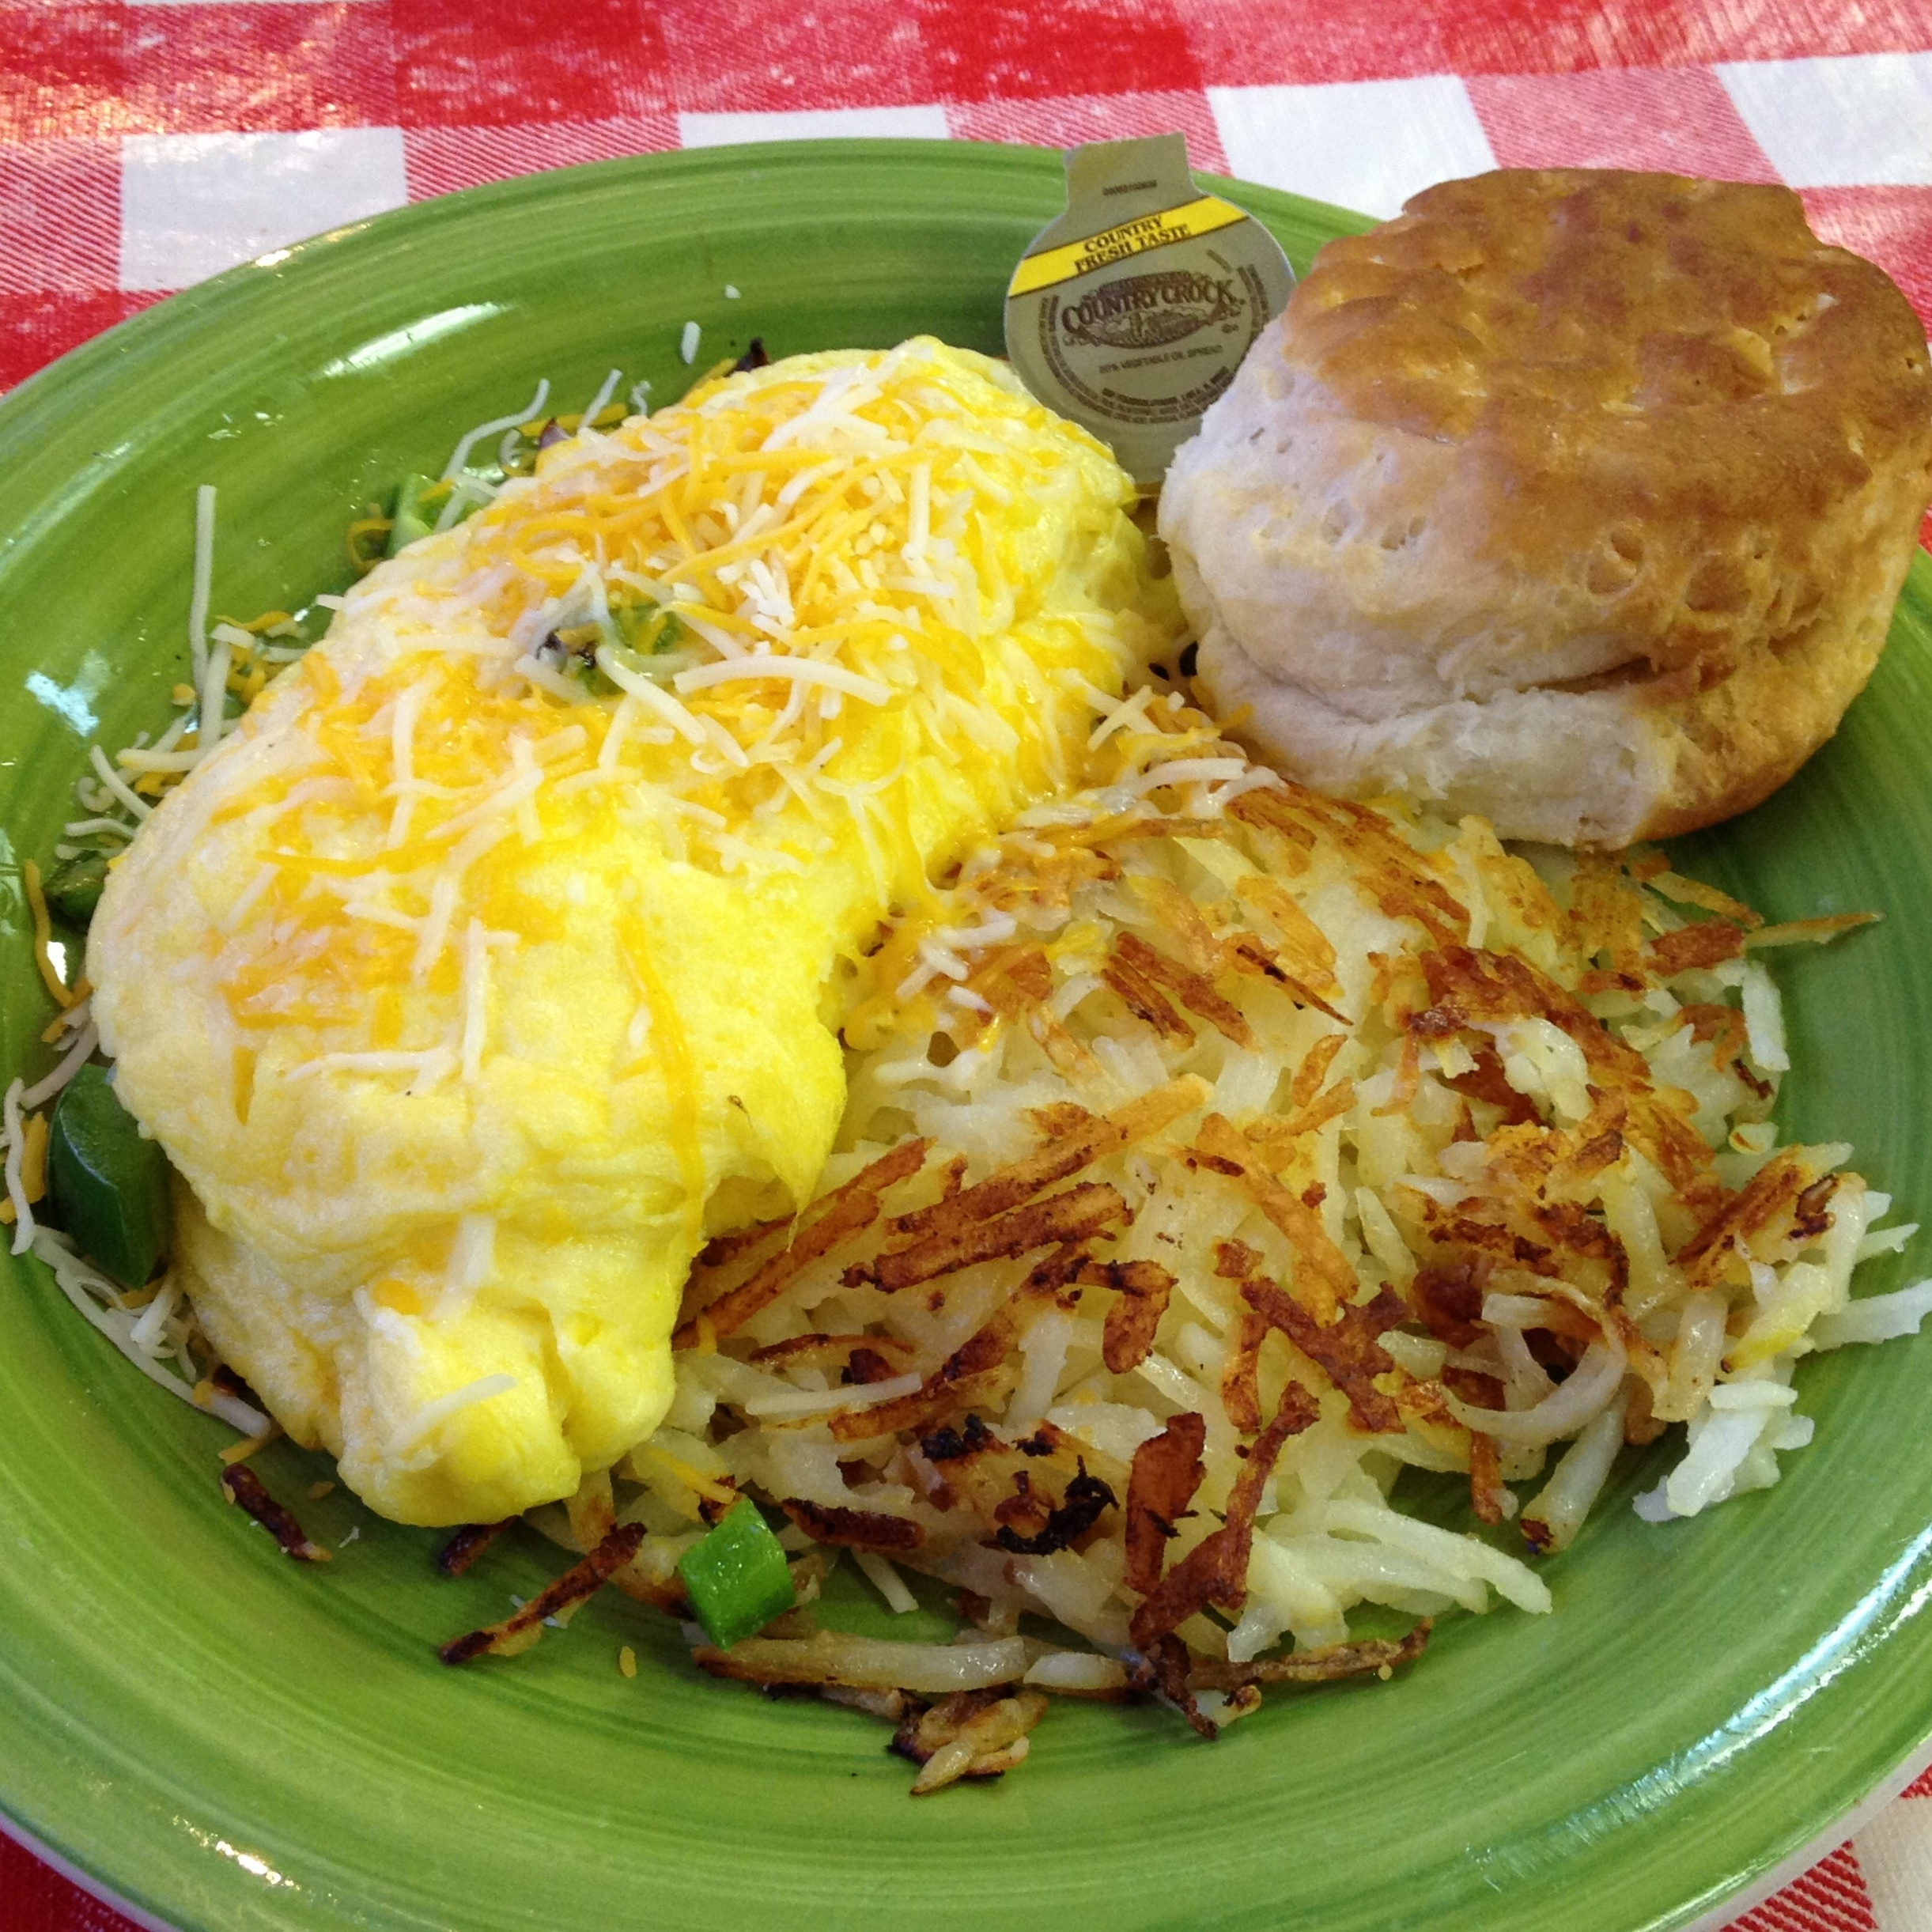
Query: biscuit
[[1580, 499]]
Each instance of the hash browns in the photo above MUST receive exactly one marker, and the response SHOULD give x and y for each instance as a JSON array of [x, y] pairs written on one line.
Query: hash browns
[[1276, 1146]]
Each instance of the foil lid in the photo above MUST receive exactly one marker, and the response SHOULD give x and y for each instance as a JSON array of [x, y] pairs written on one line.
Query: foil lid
[[1132, 312]]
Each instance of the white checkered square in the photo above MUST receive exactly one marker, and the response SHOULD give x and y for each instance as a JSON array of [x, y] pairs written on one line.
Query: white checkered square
[[1367, 144], [1856, 120], [192, 205], [1895, 1853], [717, 130]]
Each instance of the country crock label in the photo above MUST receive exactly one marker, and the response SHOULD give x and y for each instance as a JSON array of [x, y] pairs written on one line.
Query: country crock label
[[1133, 311], [1201, 217], [1150, 311]]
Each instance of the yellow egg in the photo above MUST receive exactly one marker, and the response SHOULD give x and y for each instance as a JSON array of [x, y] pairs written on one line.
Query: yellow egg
[[467, 986]]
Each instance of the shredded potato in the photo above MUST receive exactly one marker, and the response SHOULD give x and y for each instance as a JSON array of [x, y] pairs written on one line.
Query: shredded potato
[[1216, 1150]]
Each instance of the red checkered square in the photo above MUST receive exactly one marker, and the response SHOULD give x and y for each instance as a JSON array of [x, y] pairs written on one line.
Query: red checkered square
[[258, 70], [441, 160], [1066, 120], [1509, 36], [1260, 43], [1505, 36], [1920, 1787], [35, 328], [1020, 50], [59, 217], [1248, 43], [1893, 226], [747, 56], [33, 1898], [60, 72], [1831, 1897], [516, 62], [1677, 120]]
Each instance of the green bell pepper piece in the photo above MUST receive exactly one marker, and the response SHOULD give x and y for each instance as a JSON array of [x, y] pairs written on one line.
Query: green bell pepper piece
[[73, 887], [647, 628], [737, 1577], [410, 522], [109, 1185]]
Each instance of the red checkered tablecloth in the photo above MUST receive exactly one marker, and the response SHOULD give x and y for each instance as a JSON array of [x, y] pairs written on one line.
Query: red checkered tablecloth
[[144, 144]]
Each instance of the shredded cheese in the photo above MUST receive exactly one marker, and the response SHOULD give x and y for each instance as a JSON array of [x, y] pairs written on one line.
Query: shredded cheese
[[459, 456], [71, 1062], [42, 935], [116, 784], [431, 1415], [414, 1064], [804, 670], [605, 390], [204, 578], [476, 997], [14, 1137], [652, 697]]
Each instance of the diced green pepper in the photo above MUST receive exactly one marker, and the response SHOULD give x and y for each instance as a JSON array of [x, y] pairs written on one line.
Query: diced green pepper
[[109, 1185], [647, 628], [410, 521], [737, 1577], [73, 887]]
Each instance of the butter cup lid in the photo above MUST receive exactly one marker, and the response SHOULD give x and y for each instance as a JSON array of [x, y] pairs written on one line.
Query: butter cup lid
[[1132, 312]]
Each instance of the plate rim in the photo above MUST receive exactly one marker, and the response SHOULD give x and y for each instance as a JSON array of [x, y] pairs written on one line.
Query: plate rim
[[204, 303], [213, 290]]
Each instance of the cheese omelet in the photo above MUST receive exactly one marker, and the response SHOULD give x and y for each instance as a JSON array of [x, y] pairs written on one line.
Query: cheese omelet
[[496, 959]]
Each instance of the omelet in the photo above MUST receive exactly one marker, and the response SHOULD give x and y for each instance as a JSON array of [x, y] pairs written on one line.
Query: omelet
[[496, 958]]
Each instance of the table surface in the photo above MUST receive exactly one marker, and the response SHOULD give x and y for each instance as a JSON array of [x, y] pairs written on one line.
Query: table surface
[[145, 144]]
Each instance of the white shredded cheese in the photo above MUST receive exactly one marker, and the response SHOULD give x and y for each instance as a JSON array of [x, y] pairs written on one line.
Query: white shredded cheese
[[432, 1415], [460, 454], [388, 1062], [204, 578], [138, 760], [653, 697], [436, 927], [603, 396], [801, 670], [13, 1135], [149, 1330], [1186, 771], [476, 997], [535, 671], [472, 1262], [116, 784], [96, 1299], [71, 1062]]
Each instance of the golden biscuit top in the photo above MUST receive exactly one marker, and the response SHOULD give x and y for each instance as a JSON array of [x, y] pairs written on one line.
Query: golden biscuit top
[[1678, 362]]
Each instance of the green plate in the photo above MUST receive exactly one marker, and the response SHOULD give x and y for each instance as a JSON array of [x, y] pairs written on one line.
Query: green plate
[[225, 1739]]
